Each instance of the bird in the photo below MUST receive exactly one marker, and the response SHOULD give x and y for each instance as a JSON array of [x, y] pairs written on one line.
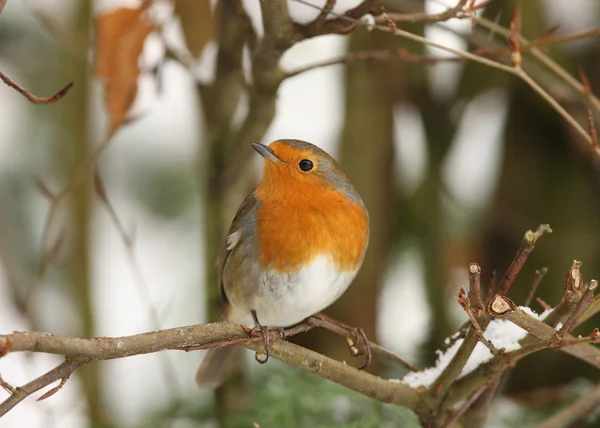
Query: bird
[[293, 247]]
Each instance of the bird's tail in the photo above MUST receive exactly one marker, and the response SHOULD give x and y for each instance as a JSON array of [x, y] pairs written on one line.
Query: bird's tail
[[215, 367]]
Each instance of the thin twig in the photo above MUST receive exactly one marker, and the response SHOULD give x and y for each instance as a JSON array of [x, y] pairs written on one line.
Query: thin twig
[[33, 98], [541, 56], [516, 71], [79, 178], [465, 406], [579, 410], [529, 241], [378, 349], [503, 307], [539, 275], [474, 295], [63, 371], [584, 302], [428, 18], [491, 287], [463, 300], [168, 371], [555, 104], [380, 55]]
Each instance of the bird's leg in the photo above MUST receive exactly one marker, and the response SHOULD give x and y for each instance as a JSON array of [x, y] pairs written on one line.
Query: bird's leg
[[257, 330], [356, 335]]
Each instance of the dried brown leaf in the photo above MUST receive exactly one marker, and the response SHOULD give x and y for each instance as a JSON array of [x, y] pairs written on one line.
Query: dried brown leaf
[[196, 22], [120, 37]]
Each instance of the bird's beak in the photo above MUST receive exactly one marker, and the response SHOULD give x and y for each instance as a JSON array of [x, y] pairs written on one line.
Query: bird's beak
[[266, 152]]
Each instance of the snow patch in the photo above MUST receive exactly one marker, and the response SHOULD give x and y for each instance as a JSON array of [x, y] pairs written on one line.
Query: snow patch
[[502, 333]]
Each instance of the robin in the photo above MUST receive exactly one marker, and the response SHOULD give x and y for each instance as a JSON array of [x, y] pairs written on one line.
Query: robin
[[294, 246]]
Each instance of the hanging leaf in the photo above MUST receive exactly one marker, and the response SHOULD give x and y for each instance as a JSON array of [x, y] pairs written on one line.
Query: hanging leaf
[[196, 23], [120, 37]]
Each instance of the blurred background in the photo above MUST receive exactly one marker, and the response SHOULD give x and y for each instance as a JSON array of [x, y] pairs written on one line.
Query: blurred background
[[454, 160]]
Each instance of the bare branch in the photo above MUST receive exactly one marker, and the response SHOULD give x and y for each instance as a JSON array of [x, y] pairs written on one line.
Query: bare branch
[[26, 93], [584, 302], [425, 18], [167, 369], [472, 399], [518, 261], [381, 55], [503, 307], [539, 275], [464, 303], [578, 411], [83, 351], [61, 372], [543, 57]]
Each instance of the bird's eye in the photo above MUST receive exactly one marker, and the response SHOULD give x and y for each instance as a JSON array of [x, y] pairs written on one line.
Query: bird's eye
[[305, 165]]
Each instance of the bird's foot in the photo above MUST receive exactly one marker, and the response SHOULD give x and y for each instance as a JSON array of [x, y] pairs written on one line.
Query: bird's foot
[[356, 338], [261, 330]]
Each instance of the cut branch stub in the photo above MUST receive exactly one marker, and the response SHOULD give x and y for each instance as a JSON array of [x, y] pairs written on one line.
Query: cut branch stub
[[529, 241], [475, 289], [573, 283], [500, 306]]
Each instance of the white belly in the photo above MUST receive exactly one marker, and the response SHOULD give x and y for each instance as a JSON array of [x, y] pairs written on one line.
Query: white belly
[[287, 299]]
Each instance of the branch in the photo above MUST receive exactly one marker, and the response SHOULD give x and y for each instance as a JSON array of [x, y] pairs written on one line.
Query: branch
[[539, 275], [515, 69], [520, 258], [381, 55], [577, 411], [26, 93], [428, 18], [442, 384], [203, 336], [167, 368], [61, 372], [542, 57], [503, 307]]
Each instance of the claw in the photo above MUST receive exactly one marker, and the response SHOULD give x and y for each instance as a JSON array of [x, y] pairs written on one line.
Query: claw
[[354, 339], [261, 358], [257, 330], [351, 341]]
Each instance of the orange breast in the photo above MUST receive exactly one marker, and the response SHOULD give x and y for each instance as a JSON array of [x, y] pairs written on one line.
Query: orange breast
[[298, 223]]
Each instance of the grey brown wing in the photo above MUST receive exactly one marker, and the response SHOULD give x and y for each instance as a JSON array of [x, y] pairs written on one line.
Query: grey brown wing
[[241, 238]]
